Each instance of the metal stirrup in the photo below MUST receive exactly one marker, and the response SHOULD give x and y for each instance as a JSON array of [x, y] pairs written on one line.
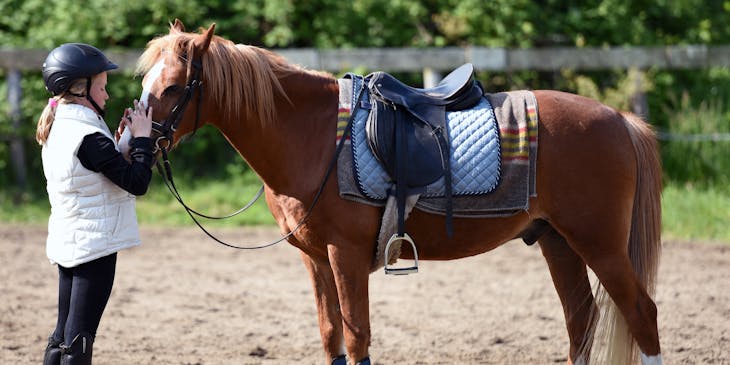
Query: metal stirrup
[[390, 270]]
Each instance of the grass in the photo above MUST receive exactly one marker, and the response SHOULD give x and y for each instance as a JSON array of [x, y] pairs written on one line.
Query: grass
[[31, 210], [692, 213], [210, 197], [159, 208], [689, 212]]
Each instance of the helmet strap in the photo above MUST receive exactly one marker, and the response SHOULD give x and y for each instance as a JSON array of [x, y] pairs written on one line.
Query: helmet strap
[[88, 97]]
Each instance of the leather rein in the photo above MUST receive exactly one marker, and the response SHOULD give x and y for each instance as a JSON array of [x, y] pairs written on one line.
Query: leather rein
[[164, 141]]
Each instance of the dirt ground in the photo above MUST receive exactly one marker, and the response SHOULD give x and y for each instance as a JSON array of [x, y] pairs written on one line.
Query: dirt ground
[[180, 298]]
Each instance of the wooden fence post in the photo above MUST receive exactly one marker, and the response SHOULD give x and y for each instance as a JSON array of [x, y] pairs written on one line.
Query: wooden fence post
[[17, 148], [639, 103], [431, 77]]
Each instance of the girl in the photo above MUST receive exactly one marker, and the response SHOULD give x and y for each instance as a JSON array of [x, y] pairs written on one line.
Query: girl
[[91, 188]]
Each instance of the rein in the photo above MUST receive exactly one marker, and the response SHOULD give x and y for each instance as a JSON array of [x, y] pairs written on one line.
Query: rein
[[171, 123]]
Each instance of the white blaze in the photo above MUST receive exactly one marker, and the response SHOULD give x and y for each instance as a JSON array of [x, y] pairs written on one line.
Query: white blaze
[[123, 143], [152, 76]]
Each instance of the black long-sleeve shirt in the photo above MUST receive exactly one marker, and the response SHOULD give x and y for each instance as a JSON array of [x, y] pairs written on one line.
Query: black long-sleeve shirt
[[97, 153]]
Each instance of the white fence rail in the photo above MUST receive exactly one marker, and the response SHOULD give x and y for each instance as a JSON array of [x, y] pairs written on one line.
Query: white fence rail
[[430, 61], [447, 58]]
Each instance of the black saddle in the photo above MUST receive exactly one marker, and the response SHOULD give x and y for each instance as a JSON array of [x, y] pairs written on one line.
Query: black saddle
[[407, 131], [456, 91]]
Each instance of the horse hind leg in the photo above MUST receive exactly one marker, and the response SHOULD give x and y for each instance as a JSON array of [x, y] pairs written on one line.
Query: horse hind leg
[[628, 314], [618, 236], [570, 278], [617, 276]]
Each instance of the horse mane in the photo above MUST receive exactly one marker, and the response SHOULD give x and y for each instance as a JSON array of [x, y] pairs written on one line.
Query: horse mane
[[234, 75]]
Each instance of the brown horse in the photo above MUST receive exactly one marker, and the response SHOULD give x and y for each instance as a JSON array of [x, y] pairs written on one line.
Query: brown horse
[[597, 204]]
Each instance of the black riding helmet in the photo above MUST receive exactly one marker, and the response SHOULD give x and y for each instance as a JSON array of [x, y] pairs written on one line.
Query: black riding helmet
[[72, 61]]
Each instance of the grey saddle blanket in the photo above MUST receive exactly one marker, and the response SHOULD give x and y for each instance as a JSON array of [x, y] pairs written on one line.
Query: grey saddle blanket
[[516, 116]]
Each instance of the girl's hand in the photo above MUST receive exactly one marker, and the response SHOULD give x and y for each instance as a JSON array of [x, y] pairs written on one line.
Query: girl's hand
[[122, 124], [139, 120]]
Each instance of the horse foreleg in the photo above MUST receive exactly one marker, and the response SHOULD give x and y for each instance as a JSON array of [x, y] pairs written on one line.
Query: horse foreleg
[[350, 267], [570, 278], [328, 307]]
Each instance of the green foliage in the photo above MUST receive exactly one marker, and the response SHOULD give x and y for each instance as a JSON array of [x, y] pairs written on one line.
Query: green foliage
[[107, 24], [360, 23], [704, 161], [693, 103], [618, 96]]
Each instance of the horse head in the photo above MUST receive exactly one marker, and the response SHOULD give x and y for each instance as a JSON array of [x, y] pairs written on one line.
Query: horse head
[[173, 82]]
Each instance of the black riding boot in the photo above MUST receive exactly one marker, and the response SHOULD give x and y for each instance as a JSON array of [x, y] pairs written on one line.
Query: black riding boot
[[79, 353], [53, 352]]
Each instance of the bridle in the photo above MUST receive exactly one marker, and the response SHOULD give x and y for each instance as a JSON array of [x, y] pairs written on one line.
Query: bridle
[[170, 124], [164, 141]]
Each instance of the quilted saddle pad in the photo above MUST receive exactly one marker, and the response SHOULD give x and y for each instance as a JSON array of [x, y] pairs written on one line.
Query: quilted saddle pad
[[474, 144]]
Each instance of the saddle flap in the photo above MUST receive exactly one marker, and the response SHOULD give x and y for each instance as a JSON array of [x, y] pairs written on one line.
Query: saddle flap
[[424, 157]]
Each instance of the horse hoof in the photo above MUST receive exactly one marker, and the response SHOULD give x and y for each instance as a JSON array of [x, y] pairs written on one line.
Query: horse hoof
[[339, 360], [365, 361]]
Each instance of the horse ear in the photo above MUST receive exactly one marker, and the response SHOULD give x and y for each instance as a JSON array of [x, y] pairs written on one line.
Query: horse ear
[[178, 25], [202, 42]]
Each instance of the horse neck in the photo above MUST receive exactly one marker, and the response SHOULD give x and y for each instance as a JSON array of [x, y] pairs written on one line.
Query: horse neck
[[292, 153]]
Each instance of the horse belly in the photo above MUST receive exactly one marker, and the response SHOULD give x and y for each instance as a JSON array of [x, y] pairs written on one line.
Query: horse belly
[[472, 236]]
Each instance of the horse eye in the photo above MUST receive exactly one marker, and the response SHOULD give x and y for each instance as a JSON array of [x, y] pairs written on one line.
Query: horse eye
[[171, 90]]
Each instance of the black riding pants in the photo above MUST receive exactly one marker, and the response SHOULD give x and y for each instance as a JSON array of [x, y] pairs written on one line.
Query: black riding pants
[[83, 292]]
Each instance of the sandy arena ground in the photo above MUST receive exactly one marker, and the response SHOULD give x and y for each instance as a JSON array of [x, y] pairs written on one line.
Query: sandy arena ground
[[181, 298]]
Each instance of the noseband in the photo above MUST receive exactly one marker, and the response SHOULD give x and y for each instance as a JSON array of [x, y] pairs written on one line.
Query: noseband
[[169, 126]]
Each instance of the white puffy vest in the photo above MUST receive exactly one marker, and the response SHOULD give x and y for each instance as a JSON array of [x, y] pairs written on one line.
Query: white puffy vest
[[91, 217]]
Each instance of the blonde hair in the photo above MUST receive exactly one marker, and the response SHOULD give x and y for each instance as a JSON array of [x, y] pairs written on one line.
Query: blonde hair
[[45, 122]]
